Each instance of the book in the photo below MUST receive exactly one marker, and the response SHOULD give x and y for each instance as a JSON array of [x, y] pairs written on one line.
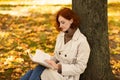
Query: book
[[40, 57]]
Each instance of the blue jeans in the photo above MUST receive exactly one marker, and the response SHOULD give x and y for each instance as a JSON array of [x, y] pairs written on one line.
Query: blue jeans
[[33, 74]]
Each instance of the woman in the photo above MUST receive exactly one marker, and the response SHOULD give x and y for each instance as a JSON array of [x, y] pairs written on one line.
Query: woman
[[71, 50]]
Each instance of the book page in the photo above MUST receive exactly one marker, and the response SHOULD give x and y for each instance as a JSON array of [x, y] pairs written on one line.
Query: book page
[[40, 58]]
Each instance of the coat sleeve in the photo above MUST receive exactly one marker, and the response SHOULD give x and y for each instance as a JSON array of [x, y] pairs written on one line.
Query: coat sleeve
[[53, 57], [81, 62]]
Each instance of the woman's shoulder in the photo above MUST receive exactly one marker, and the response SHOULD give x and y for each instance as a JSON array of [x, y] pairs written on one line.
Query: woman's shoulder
[[79, 35], [61, 34]]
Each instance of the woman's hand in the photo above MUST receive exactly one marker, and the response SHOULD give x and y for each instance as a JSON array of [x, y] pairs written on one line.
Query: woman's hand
[[53, 64]]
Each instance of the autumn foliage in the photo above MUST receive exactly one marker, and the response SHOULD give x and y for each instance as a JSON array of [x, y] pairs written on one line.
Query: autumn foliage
[[37, 31]]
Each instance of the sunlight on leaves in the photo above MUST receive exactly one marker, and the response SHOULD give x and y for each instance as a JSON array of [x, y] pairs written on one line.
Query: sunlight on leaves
[[31, 26]]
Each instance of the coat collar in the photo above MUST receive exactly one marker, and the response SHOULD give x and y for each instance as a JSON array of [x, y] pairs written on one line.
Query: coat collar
[[75, 36]]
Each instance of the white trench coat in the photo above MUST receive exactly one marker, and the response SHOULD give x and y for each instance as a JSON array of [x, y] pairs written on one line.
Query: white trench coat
[[73, 57]]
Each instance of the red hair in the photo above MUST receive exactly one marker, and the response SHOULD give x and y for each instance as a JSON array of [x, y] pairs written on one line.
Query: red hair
[[67, 13]]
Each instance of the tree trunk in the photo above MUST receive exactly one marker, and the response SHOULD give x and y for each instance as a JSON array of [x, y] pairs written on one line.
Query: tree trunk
[[93, 16]]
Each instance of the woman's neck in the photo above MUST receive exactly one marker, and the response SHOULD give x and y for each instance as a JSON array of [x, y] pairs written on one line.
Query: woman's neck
[[69, 34]]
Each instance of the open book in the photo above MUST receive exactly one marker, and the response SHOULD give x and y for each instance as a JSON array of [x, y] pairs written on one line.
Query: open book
[[40, 57]]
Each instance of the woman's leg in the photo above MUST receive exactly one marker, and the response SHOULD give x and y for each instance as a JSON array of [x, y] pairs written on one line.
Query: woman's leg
[[27, 75], [36, 73]]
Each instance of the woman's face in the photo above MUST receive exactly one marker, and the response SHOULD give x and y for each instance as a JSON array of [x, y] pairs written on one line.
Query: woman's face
[[64, 23]]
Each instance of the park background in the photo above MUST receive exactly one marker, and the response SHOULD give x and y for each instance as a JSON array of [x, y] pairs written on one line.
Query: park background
[[29, 24]]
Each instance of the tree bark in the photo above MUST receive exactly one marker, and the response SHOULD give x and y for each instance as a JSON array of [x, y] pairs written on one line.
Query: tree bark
[[93, 18]]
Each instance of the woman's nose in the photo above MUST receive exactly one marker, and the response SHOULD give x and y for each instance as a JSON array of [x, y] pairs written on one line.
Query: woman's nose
[[60, 26]]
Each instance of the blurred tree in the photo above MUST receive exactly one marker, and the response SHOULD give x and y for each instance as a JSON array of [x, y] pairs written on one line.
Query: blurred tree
[[93, 15]]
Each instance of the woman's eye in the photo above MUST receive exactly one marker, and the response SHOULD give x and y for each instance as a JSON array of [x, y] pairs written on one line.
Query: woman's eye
[[62, 22]]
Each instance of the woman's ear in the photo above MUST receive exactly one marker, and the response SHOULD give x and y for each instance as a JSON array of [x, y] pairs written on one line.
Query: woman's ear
[[71, 21]]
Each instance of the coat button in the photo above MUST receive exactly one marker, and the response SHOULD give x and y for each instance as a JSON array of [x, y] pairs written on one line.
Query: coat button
[[59, 53], [65, 55]]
